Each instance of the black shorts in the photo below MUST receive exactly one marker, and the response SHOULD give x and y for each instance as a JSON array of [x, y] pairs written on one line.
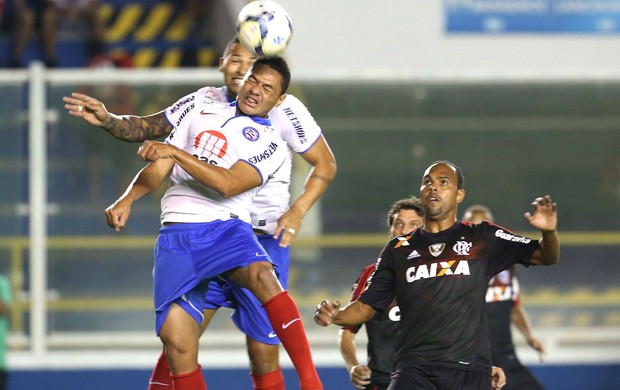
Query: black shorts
[[410, 376], [378, 381]]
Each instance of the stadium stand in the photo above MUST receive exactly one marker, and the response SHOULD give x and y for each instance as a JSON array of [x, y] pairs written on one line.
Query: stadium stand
[[139, 33]]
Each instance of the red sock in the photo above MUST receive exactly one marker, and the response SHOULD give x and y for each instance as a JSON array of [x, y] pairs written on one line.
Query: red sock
[[161, 377], [190, 381], [286, 321], [270, 381]]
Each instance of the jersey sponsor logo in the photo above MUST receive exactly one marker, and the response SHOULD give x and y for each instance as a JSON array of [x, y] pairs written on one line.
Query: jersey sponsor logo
[[394, 314], [291, 322], [437, 269], [413, 255], [250, 133], [265, 154], [211, 142], [180, 104], [299, 129], [209, 98], [402, 241], [436, 249], [511, 237], [183, 114], [462, 248]]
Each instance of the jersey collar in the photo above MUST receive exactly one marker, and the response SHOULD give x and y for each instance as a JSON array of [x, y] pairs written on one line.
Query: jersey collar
[[256, 119]]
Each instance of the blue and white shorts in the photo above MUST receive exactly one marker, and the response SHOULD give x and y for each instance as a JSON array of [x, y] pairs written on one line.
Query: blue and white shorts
[[188, 255], [249, 315]]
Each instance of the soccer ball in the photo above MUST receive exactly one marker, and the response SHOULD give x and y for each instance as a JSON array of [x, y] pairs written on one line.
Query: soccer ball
[[264, 28]]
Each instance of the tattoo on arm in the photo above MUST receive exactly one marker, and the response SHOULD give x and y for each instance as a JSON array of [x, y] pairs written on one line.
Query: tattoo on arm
[[321, 177], [130, 128]]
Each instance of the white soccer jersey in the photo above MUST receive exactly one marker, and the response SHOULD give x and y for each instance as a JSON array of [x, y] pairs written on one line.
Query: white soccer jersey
[[210, 130], [300, 131]]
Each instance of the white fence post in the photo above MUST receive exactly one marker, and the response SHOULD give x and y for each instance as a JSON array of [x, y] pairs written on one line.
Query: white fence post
[[38, 198]]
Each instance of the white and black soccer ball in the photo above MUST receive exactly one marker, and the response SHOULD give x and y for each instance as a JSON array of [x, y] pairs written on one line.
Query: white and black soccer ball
[[264, 28]]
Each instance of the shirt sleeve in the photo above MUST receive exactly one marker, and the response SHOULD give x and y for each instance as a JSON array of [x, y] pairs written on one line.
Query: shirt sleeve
[[179, 115], [381, 288], [507, 248], [358, 288], [5, 290], [296, 124]]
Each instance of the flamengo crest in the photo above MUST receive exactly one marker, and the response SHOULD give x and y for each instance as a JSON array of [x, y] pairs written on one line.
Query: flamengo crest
[[462, 248]]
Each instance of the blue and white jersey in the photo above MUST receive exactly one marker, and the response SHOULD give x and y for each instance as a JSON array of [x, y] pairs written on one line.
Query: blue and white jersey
[[299, 130], [210, 130]]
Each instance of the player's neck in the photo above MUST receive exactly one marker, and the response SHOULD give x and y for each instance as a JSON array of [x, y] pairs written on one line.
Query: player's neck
[[437, 225]]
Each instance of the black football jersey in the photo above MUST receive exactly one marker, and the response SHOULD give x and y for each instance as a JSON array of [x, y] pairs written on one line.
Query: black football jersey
[[502, 296], [440, 281]]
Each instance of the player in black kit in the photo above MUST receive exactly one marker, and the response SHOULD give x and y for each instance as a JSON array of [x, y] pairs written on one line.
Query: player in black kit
[[504, 308], [439, 275], [404, 216]]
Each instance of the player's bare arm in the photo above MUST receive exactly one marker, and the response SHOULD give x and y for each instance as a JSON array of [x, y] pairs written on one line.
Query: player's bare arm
[[323, 171], [545, 219], [227, 182], [128, 128], [145, 182], [359, 374], [520, 319], [354, 313]]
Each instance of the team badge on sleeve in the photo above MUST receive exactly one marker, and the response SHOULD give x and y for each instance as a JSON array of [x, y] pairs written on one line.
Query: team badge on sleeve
[[250, 133]]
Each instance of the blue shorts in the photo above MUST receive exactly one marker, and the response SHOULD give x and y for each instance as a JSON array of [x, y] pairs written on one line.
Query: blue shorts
[[249, 315], [188, 255]]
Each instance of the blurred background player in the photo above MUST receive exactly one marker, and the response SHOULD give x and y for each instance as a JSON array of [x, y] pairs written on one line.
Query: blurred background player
[[5, 302], [404, 216], [275, 223], [48, 17], [503, 309]]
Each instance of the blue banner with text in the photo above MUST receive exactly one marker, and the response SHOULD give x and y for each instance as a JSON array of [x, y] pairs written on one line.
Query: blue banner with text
[[537, 16]]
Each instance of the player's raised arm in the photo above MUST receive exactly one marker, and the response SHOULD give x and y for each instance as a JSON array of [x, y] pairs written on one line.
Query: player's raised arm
[[128, 128], [322, 173], [354, 313], [545, 218]]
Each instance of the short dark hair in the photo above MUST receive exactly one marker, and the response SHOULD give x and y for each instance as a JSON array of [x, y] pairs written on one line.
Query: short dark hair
[[233, 40], [460, 178], [410, 203], [279, 65]]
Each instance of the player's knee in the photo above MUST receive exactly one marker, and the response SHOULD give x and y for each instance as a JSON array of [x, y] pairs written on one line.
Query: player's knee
[[263, 358]]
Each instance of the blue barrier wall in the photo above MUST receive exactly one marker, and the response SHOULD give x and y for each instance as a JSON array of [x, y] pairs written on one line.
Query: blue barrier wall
[[554, 377]]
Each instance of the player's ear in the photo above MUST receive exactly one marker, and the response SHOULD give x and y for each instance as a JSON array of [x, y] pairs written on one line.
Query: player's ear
[[460, 195], [280, 100], [220, 67]]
